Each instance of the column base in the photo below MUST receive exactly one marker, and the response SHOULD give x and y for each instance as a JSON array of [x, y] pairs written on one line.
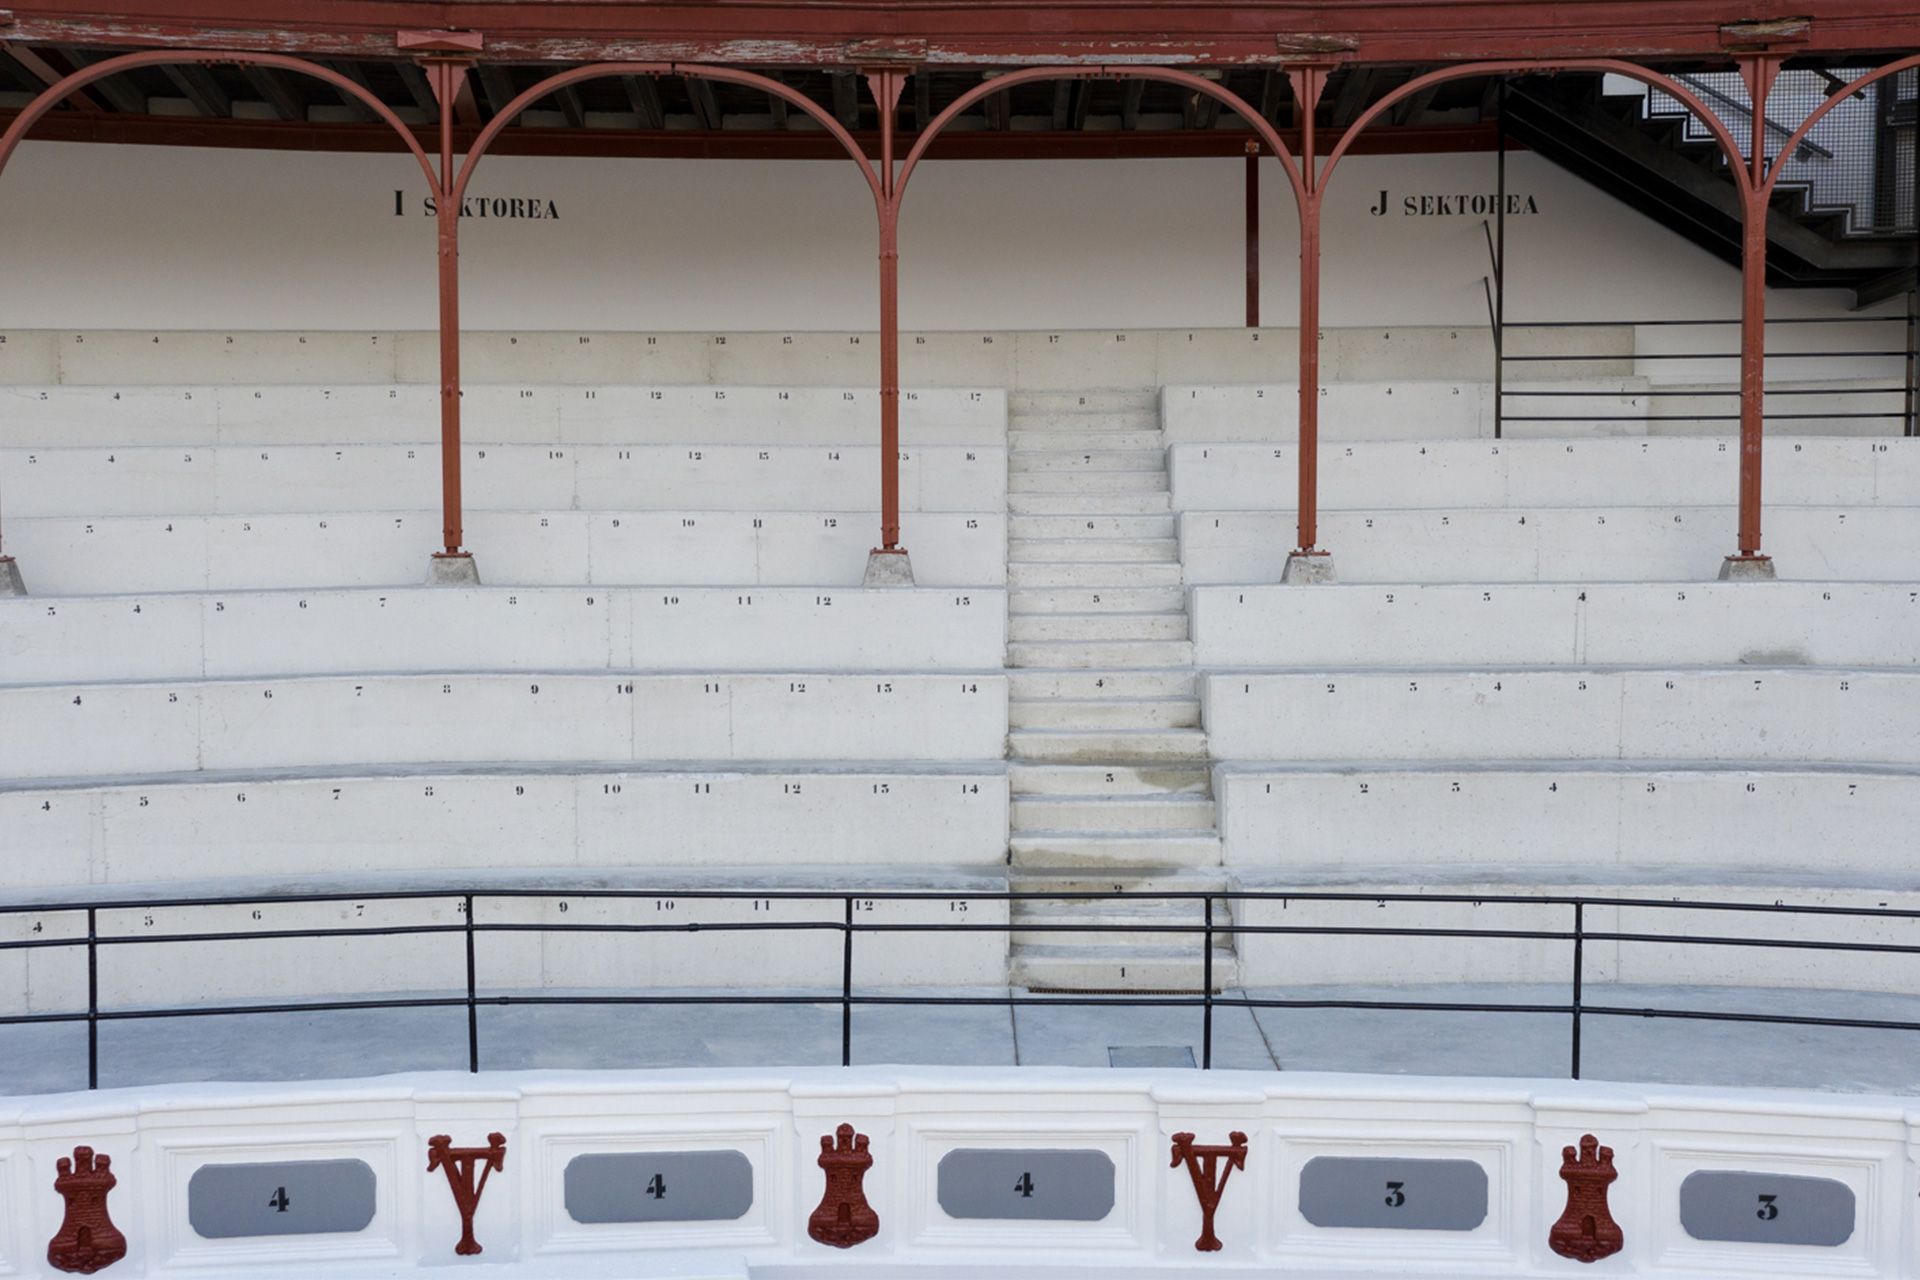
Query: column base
[[1308, 567], [1747, 569], [888, 567], [11, 584], [452, 570]]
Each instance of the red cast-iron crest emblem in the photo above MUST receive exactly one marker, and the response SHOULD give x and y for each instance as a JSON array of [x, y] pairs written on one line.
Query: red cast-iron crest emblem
[[461, 1165], [1209, 1174], [87, 1239], [844, 1218], [1586, 1231]]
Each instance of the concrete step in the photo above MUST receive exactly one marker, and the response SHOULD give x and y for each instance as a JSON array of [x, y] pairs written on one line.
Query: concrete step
[[1108, 780], [1086, 459], [1146, 880], [1112, 815], [1086, 420], [1097, 626], [1104, 713], [1103, 683], [1108, 850], [1081, 482], [1084, 968], [1106, 400], [1042, 550], [1083, 655], [1106, 746], [1043, 600], [1094, 573], [1084, 438], [1092, 527], [1110, 504], [1135, 926]]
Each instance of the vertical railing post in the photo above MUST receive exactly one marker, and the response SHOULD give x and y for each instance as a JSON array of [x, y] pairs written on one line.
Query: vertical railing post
[[888, 563], [1253, 234], [1500, 269], [1309, 563], [451, 564], [1912, 424], [1759, 71], [93, 998], [1206, 991], [1579, 966], [846, 989], [473, 1004]]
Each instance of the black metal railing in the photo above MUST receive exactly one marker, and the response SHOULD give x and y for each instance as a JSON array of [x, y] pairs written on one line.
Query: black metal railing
[[839, 916]]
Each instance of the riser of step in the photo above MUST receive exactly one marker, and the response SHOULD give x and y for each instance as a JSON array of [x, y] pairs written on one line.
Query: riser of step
[[1096, 626], [1110, 504], [1088, 550], [1109, 400], [1087, 655], [1086, 459], [1110, 600], [1085, 482], [1086, 420], [1072, 850], [1138, 880], [1095, 573], [1085, 438], [1101, 815], [1104, 713], [1061, 968], [1119, 938], [1093, 684], [1108, 780], [1091, 527]]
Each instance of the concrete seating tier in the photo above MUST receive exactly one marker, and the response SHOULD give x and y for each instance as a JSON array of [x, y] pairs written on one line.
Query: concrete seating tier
[[1580, 404], [434, 963], [1025, 360], [1780, 715], [71, 556], [204, 415], [1540, 624], [413, 629], [1592, 544], [352, 824], [1371, 475], [1307, 959], [1788, 820], [107, 730], [325, 480]]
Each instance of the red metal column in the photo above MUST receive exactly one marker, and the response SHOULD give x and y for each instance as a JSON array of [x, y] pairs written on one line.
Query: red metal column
[[1308, 83], [1759, 71], [1253, 235], [886, 84], [446, 75]]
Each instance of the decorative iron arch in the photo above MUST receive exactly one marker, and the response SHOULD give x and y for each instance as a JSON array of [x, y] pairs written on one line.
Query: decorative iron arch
[[1833, 100]]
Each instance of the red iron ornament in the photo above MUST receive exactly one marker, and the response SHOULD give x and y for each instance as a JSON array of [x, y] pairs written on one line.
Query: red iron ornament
[[87, 1240], [1209, 1177], [1586, 1231], [461, 1164], [844, 1218]]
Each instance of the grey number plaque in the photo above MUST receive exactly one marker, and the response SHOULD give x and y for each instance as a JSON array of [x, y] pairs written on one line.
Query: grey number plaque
[[1393, 1194], [1051, 1186], [297, 1198], [1766, 1208], [659, 1186]]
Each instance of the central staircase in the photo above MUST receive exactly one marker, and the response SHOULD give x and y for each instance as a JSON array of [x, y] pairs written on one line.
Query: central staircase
[[1108, 760]]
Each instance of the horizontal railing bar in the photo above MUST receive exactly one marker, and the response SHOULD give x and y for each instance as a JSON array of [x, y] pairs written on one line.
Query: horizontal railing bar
[[1788, 1019], [1709, 355], [1691, 417], [1731, 394], [1639, 324]]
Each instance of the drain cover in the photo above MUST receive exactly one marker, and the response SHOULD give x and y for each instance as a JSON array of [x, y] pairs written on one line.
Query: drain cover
[[1149, 1055]]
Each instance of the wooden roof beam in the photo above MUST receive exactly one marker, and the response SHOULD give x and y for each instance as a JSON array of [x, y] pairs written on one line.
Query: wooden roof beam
[[571, 108], [38, 68], [1131, 94], [121, 93], [706, 104], [776, 104], [197, 85], [419, 90], [497, 85], [643, 95], [922, 98], [846, 100], [276, 90]]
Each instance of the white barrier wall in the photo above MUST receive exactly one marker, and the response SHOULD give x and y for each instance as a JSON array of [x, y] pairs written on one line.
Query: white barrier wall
[[283, 633], [1606, 624], [1779, 715], [1701, 823], [70, 556], [346, 722], [1547, 544], [1137, 1210], [1454, 474]]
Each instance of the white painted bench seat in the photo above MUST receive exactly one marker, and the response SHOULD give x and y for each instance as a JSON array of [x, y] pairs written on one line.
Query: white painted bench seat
[[1611, 544], [1787, 819], [322, 480], [528, 414], [353, 822], [1406, 962], [101, 730], [411, 629], [1665, 471], [1867, 624], [71, 556], [1777, 715]]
